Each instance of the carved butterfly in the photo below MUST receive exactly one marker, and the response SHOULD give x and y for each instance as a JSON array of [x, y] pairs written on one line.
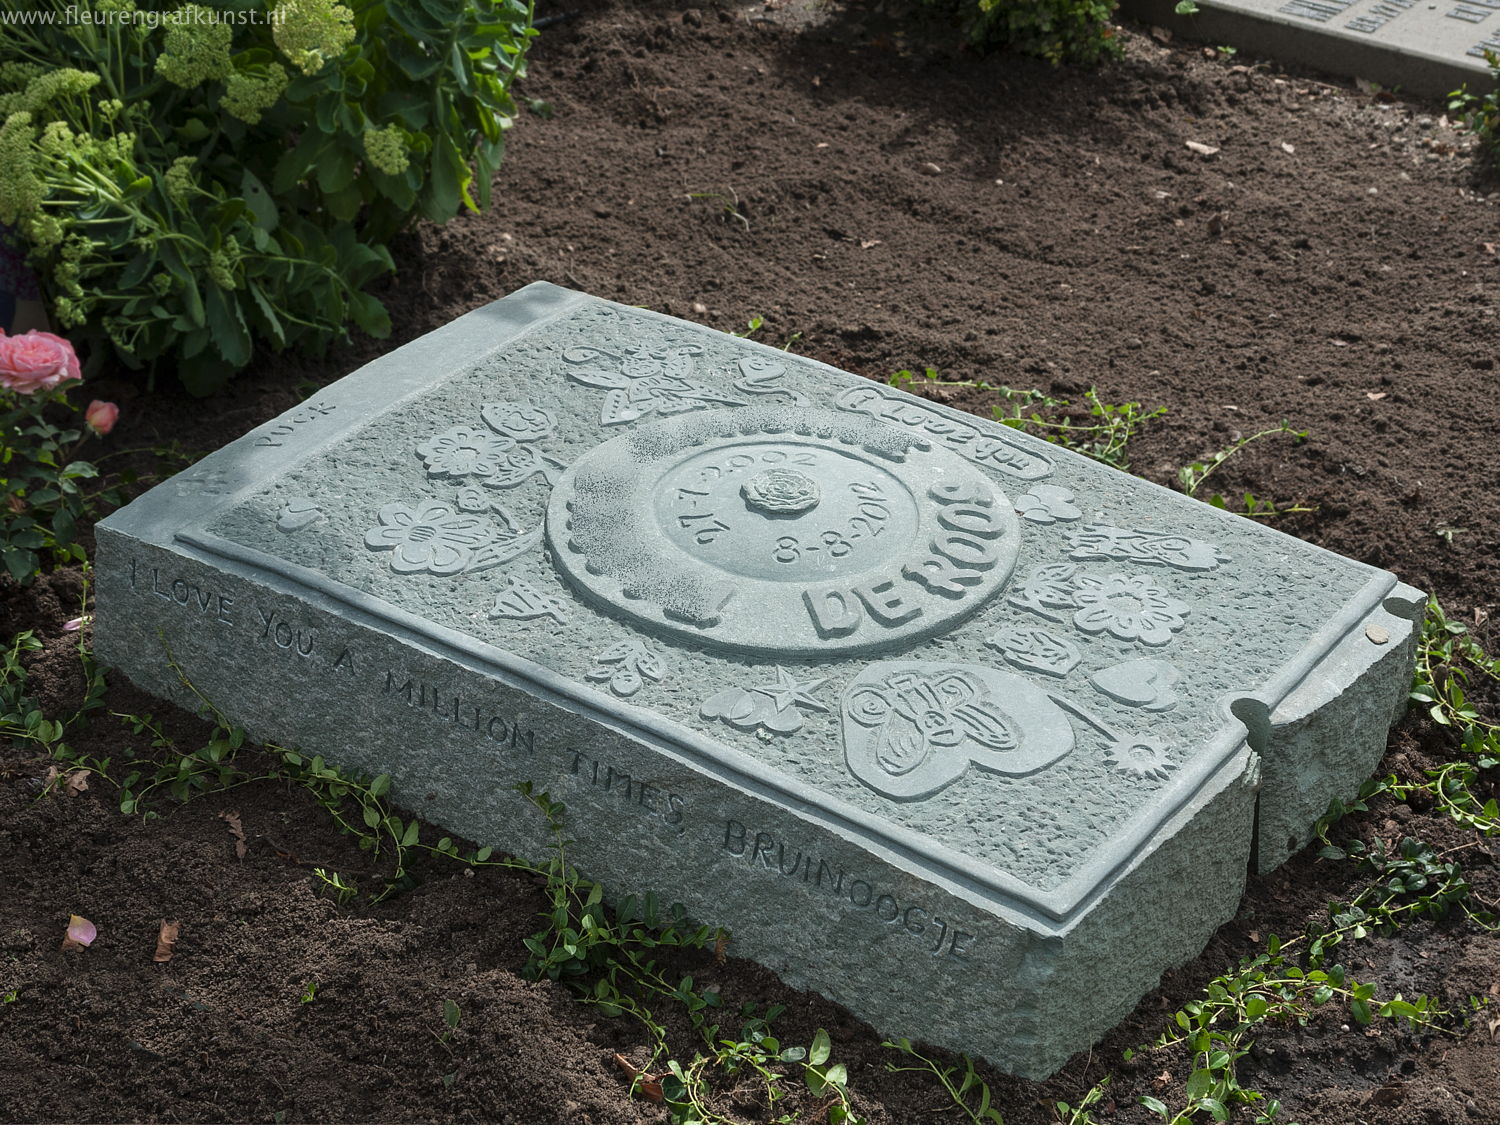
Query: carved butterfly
[[926, 715]]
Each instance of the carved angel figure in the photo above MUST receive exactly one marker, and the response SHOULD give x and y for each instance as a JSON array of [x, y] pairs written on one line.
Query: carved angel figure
[[640, 380]]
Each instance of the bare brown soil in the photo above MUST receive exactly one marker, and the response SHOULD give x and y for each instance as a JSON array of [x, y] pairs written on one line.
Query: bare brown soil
[[882, 202]]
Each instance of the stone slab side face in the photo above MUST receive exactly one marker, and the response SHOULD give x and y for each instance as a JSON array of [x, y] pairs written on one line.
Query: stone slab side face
[[1415, 47], [963, 731]]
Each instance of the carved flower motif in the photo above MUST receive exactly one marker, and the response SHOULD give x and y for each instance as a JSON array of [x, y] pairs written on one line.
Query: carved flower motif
[[517, 464], [1129, 607], [465, 451], [1142, 757], [427, 536], [782, 491]]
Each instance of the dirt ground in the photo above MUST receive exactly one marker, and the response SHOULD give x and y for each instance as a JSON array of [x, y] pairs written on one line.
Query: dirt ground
[[882, 202]]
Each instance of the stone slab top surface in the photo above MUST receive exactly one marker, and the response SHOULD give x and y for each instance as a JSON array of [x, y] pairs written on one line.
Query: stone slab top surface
[[982, 654]]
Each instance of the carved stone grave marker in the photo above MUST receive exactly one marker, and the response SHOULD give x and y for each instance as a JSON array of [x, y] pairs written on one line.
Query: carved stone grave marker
[[1429, 48], [958, 728]]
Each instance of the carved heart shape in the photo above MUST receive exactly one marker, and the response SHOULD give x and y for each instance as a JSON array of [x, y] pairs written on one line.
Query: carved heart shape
[[1146, 682], [298, 514]]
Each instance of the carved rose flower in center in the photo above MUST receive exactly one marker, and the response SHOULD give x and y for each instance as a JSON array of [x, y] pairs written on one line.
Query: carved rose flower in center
[[781, 491], [427, 536], [465, 451], [1129, 607]]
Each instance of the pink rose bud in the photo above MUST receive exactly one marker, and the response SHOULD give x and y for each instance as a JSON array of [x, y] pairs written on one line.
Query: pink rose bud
[[37, 361], [101, 416]]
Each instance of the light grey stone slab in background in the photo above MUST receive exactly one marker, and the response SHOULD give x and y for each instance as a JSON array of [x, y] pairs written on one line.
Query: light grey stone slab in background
[[960, 729], [1414, 46]]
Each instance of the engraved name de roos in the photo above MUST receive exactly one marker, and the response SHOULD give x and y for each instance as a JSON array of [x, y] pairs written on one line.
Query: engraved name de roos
[[952, 564]]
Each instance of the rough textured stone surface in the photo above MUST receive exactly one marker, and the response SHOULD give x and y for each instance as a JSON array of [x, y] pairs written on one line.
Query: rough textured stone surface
[[921, 708], [1418, 48]]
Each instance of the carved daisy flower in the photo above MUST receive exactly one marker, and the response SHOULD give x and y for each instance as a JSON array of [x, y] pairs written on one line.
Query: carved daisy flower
[[1142, 757], [427, 536], [1128, 606], [465, 451]]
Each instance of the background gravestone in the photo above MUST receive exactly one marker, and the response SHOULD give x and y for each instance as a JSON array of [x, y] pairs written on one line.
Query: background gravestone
[[960, 729], [1413, 46]]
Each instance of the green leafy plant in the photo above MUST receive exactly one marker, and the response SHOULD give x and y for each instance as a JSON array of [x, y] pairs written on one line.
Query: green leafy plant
[[1219, 1029], [335, 885], [1082, 1113], [969, 1092], [192, 181], [1103, 431], [452, 1016], [1192, 475], [1480, 113], [1072, 31], [309, 991], [1415, 882]]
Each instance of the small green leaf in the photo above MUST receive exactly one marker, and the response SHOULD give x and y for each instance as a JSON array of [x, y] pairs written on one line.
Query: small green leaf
[[821, 1048]]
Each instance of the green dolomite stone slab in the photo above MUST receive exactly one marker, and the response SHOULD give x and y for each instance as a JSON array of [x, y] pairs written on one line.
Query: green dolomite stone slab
[[958, 728]]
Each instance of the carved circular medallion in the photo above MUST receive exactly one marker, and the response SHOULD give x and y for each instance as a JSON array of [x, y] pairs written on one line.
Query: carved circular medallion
[[785, 531]]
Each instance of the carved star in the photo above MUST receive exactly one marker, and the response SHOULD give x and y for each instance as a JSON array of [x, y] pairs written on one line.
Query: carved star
[[787, 692]]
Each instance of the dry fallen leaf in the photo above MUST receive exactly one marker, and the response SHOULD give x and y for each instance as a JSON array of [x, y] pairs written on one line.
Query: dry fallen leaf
[[1202, 149], [77, 782], [81, 933], [1489, 247], [721, 943], [236, 829], [1375, 396], [1162, 1080], [166, 938], [867, 243], [647, 1085]]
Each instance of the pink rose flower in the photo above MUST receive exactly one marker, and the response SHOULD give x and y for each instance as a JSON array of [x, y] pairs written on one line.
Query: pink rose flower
[[101, 416], [37, 361]]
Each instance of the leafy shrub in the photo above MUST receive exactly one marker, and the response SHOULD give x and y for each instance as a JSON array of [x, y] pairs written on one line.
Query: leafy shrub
[[44, 501], [1480, 113], [1075, 31], [189, 181]]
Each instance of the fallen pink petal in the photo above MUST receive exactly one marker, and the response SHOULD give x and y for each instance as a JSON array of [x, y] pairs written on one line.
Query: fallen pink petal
[[81, 933], [74, 625]]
